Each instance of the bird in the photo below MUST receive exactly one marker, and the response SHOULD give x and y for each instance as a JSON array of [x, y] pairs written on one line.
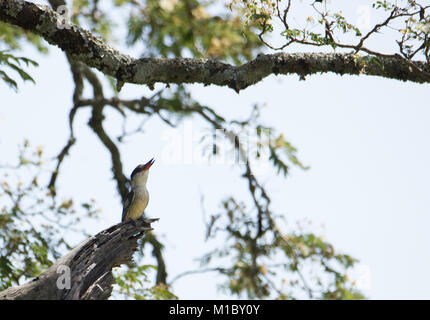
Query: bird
[[138, 197]]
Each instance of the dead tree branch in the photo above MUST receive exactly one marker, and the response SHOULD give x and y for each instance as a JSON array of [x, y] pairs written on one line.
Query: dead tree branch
[[90, 265]]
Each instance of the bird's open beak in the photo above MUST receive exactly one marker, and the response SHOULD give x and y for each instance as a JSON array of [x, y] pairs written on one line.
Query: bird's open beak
[[148, 164]]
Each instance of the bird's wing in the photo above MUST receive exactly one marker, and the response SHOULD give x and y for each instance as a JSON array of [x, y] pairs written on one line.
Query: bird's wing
[[127, 204]]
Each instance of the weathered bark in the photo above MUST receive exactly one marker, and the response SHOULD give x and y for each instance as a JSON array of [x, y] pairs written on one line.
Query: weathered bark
[[83, 46], [90, 266]]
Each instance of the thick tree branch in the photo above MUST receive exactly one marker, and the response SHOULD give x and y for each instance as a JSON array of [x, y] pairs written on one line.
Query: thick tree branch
[[83, 46], [90, 266]]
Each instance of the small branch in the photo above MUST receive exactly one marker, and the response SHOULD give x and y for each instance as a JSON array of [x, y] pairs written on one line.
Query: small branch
[[199, 271], [90, 267], [79, 87]]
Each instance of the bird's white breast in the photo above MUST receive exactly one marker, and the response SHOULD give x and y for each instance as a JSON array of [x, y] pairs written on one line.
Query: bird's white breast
[[141, 199]]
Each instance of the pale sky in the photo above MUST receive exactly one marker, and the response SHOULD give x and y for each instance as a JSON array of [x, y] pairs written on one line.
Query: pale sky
[[366, 139]]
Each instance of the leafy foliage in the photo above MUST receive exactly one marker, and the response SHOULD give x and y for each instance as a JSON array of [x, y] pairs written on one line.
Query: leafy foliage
[[14, 63], [257, 260], [13, 38], [187, 28], [34, 226], [134, 282], [91, 15], [326, 26]]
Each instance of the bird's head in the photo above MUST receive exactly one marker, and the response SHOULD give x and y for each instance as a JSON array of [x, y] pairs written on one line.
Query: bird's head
[[139, 176]]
